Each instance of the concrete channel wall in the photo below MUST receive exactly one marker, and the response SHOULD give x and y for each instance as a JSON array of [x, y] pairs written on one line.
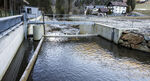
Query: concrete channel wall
[[9, 46], [108, 32], [87, 29], [121, 36], [104, 31]]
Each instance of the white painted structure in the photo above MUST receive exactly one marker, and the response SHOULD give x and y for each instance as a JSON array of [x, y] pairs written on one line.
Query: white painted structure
[[32, 12], [10, 41], [38, 32], [9, 45], [118, 7], [30, 26]]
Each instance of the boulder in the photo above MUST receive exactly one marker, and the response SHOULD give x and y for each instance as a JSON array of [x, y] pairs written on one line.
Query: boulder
[[133, 38]]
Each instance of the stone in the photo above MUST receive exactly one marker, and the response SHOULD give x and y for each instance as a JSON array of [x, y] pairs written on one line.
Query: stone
[[121, 41], [133, 38], [134, 46], [148, 45], [125, 32], [126, 44]]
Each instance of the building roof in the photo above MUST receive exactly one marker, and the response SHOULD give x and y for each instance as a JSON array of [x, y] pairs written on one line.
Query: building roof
[[99, 6], [103, 10], [115, 3], [90, 7]]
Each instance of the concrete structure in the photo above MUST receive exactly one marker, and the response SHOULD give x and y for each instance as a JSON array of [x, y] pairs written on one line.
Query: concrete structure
[[32, 12], [9, 46], [10, 41], [108, 32], [87, 29], [80, 35], [38, 32], [30, 26]]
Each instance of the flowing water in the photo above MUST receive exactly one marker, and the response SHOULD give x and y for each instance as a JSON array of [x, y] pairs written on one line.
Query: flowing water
[[89, 59]]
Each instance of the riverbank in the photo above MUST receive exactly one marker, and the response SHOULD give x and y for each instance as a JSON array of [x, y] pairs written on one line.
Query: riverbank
[[129, 32]]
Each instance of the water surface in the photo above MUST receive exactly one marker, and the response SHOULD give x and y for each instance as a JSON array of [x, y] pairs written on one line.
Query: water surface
[[89, 59]]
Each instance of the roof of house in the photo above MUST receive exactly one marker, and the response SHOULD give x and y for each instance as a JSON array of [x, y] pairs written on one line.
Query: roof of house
[[103, 10], [99, 6], [115, 3], [90, 7]]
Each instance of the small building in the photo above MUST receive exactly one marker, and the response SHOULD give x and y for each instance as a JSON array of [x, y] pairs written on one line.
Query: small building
[[96, 10], [103, 11], [117, 7], [32, 12]]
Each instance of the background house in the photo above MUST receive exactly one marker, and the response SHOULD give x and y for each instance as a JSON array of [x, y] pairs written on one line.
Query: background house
[[96, 10], [117, 7], [103, 11]]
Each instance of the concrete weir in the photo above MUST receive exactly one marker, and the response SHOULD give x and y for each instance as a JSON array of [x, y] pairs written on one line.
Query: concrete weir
[[105, 31], [108, 32], [9, 46], [115, 35]]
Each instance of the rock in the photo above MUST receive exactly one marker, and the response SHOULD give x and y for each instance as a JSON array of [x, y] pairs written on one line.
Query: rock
[[133, 38], [134, 46], [121, 41], [126, 44], [148, 45], [125, 32]]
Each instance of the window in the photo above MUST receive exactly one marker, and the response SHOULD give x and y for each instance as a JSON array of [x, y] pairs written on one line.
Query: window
[[29, 11]]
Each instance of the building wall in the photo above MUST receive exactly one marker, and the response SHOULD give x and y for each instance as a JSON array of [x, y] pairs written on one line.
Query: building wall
[[33, 13], [119, 9]]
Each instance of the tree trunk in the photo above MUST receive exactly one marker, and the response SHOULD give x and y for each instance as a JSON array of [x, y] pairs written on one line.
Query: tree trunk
[[5, 6], [10, 7]]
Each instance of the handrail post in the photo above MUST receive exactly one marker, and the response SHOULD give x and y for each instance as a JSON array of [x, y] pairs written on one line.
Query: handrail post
[[44, 22], [25, 24]]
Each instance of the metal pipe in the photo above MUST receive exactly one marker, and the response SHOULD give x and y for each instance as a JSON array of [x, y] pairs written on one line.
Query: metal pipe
[[80, 35], [32, 62]]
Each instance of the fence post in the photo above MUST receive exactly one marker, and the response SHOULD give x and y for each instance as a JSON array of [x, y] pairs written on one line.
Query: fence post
[[44, 22], [25, 24]]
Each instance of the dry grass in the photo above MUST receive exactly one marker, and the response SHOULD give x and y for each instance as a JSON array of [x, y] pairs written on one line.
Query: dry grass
[[146, 12], [142, 17], [143, 6]]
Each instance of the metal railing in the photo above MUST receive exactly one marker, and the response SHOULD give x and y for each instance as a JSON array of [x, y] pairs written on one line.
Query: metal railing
[[7, 23]]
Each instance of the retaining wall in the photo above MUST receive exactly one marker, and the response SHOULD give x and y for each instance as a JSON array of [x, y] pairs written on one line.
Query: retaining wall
[[9, 46]]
